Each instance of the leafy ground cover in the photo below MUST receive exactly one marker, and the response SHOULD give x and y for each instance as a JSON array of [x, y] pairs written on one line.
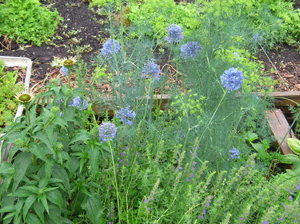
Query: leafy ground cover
[[191, 163]]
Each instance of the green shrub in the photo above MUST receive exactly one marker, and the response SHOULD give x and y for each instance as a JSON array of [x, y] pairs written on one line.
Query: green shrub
[[26, 20]]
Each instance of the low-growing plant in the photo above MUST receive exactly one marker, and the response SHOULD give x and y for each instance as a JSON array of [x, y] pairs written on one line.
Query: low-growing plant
[[8, 103], [32, 22]]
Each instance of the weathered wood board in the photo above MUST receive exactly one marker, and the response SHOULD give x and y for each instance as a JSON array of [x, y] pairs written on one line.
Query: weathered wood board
[[280, 129]]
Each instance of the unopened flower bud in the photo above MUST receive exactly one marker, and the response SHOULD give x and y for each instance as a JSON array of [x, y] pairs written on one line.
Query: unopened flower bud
[[69, 92], [55, 110], [59, 146], [19, 142]]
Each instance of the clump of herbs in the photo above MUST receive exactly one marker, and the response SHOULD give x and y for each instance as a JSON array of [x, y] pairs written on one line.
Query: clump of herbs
[[27, 20], [8, 103]]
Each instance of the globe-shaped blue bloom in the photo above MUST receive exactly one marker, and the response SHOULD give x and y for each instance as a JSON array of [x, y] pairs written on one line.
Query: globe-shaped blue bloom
[[174, 34], [64, 71], [107, 131], [232, 79], [76, 102], [151, 69], [234, 153], [190, 50], [107, 49], [125, 114]]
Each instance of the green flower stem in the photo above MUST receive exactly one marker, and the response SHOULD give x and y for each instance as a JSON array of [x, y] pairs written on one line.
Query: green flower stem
[[33, 158], [69, 77], [116, 182]]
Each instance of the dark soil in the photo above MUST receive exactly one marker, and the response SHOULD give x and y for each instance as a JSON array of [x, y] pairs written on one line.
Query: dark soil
[[94, 31]]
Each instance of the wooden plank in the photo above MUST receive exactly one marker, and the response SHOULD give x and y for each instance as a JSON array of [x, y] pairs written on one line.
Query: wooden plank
[[280, 129]]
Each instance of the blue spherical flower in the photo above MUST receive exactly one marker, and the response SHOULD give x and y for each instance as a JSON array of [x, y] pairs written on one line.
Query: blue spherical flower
[[190, 50], [64, 71], [232, 79], [107, 131], [174, 34], [125, 114], [76, 102], [234, 153], [107, 49], [151, 69], [256, 37]]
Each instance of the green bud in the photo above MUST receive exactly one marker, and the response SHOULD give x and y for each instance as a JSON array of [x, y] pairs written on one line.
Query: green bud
[[59, 146], [69, 92], [19, 142], [55, 110], [52, 81]]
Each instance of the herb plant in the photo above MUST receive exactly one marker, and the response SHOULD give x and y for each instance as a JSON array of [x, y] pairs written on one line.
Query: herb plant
[[8, 103], [32, 22]]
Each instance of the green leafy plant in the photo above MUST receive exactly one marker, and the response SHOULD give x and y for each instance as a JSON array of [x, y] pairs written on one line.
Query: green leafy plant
[[8, 103], [292, 174], [27, 20]]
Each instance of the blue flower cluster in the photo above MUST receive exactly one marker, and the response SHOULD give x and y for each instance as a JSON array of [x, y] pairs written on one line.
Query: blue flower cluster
[[256, 37], [107, 49], [76, 102], [151, 69], [107, 131], [190, 50], [234, 153], [64, 71], [174, 34], [232, 79], [125, 114]]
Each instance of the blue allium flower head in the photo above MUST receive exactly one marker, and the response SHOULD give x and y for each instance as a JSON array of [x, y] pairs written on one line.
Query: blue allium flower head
[[234, 153], [151, 69], [190, 50], [76, 102], [232, 79], [107, 49], [107, 131], [64, 71], [125, 114], [256, 37], [174, 34]]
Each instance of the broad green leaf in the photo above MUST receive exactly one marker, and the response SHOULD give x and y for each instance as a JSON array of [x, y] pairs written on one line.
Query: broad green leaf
[[9, 208], [6, 168], [75, 163], [294, 144], [21, 163], [55, 215], [43, 198], [33, 189], [31, 218], [39, 210], [251, 136], [60, 173], [56, 198], [81, 136], [12, 152], [19, 205], [43, 136], [94, 160], [36, 150], [28, 203], [93, 208], [5, 185], [290, 159], [84, 190], [22, 193]]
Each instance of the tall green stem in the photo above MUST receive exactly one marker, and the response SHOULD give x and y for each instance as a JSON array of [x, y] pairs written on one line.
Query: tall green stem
[[116, 182]]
